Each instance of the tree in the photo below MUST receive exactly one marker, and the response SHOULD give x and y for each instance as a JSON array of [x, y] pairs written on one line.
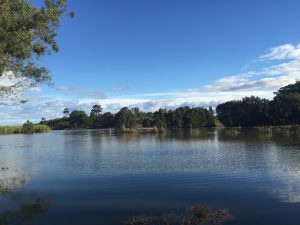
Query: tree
[[43, 120], [27, 34], [66, 112], [135, 110], [210, 110], [250, 111], [125, 119], [285, 108], [28, 127], [79, 119], [96, 110], [95, 116], [159, 118], [107, 120]]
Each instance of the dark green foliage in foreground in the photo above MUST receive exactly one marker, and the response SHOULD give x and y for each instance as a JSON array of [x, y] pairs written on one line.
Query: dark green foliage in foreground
[[27, 34], [284, 109], [183, 117]]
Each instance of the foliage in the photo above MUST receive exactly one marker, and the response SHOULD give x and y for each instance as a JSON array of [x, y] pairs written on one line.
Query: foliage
[[66, 112], [250, 111], [183, 117], [107, 120], [28, 127], [284, 109], [79, 119], [20, 129], [286, 105], [58, 124], [125, 119], [27, 34], [95, 116]]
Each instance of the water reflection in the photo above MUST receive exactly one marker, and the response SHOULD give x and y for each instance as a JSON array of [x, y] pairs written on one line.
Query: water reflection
[[10, 179], [23, 208], [18, 207], [98, 177]]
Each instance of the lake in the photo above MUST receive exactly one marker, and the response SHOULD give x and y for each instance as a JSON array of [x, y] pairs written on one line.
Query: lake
[[91, 177]]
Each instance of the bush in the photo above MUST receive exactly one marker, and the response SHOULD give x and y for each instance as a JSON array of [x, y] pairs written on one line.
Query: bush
[[28, 127]]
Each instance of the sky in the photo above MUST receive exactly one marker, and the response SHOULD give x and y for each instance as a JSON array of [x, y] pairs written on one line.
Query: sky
[[165, 54]]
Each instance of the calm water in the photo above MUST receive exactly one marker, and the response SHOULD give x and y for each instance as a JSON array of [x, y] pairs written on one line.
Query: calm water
[[90, 177]]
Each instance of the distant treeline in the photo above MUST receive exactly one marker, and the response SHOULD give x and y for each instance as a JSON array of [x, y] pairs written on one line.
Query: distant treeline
[[283, 109], [183, 117]]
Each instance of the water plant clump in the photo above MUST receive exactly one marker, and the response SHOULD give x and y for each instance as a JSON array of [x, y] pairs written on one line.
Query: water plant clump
[[196, 215]]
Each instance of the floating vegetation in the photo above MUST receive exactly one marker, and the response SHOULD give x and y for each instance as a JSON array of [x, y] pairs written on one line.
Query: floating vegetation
[[10, 179], [196, 215]]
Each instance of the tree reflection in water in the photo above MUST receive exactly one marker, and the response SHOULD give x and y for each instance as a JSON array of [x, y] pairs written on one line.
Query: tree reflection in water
[[19, 207]]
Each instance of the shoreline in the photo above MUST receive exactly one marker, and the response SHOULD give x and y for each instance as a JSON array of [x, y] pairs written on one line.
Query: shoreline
[[6, 130]]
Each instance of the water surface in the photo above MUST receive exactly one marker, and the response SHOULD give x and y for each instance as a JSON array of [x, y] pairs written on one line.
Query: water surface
[[91, 177]]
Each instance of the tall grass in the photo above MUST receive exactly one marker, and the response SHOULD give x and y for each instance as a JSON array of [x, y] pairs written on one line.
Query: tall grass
[[21, 130]]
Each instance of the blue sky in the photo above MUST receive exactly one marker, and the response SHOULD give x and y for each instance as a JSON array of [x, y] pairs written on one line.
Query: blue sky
[[154, 53]]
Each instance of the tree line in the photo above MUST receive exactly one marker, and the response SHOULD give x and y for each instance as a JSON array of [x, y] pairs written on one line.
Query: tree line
[[126, 118], [283, 109]]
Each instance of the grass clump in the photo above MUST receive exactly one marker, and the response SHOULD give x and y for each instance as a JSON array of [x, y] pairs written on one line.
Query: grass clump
[[27, 128]]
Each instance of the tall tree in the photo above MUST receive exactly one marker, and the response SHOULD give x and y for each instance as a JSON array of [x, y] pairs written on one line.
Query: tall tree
[[96, 110], [66, 112], [95, 116]]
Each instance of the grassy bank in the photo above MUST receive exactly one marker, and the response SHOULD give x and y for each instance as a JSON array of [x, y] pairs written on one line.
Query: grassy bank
[[24, 130]]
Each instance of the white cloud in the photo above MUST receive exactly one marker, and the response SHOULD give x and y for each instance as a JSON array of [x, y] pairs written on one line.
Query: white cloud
[[286, 51], [269, 77]]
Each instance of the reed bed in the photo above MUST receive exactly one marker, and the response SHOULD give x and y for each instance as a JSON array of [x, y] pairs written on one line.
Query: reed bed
[[21, 130]]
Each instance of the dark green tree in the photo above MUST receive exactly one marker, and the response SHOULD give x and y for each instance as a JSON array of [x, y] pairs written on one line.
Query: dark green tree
[[285, 108], [107, 120], [95, 116], [79, 119], [96, 110], [66, 112], [125, 119], [250, 111], [159, 119]]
